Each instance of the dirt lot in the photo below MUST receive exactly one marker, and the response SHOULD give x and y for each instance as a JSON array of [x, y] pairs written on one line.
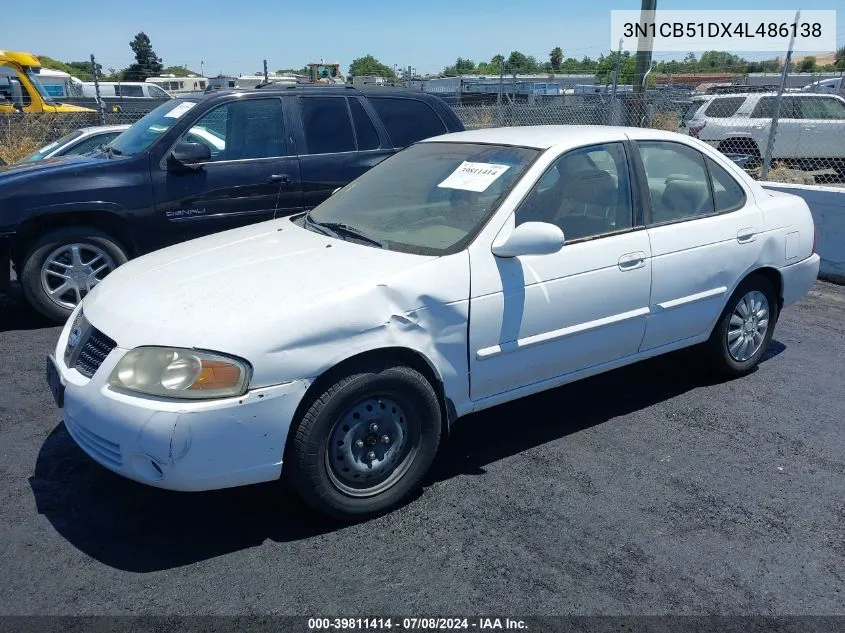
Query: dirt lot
[[649, 490]]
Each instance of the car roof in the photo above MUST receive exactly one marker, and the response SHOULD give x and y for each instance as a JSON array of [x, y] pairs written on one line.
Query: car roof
[[546, 136]]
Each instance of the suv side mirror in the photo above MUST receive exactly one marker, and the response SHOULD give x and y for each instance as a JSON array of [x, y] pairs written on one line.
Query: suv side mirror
[[530, 238], [185, 153]]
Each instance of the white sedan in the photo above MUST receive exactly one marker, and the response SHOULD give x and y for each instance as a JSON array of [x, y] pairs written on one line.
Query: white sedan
[[336, 347]]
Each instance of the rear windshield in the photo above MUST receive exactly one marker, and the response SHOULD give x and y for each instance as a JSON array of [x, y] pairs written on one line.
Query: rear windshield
[[692, 108]]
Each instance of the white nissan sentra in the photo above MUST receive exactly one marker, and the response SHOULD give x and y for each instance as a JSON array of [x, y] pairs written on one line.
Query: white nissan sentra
[[336, 347]]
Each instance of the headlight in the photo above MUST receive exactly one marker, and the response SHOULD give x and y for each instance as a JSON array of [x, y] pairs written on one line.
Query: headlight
[[180, 373]]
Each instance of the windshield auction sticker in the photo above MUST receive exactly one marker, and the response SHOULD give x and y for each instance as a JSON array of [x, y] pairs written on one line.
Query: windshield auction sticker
[[474, 176], [180, 109]]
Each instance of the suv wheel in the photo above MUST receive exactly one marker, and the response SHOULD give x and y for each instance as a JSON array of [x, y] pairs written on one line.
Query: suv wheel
[[64, 265]]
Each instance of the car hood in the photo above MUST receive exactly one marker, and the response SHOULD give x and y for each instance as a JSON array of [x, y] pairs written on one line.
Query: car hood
[[267, 289], [57, 164]]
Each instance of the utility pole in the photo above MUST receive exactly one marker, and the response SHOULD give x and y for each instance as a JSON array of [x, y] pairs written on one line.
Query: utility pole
[[265, 72], [773, 128], [644, 45]]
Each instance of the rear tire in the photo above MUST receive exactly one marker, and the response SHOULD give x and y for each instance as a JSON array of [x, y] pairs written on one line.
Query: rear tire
[[365, 443], [76, 258], [741, 337]]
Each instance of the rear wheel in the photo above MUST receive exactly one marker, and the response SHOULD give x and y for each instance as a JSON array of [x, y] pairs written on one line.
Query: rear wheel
[[365, 443], [64, 265], [742, 335]]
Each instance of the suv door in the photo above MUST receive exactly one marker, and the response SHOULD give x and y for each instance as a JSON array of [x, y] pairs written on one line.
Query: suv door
[[789, 128], [338, 142], [251, 172], [822, 122]]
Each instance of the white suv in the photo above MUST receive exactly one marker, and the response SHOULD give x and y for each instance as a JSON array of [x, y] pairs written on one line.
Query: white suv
[[810, 132]]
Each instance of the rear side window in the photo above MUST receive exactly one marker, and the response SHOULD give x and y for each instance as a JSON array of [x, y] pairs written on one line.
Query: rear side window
[[328, 128], [822, 108], [407, 120], [724, 107], [727, 192], [129, 91], [365, 131], [765, 108]]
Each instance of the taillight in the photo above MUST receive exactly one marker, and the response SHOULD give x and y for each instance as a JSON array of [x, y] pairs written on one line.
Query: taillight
[[694, 130]]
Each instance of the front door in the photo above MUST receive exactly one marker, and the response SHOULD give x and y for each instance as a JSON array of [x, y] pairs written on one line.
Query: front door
[[250, 175], [537, 318], [821, 121], [704, 237]]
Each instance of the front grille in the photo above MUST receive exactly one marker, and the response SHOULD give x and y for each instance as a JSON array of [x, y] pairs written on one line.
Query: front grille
[[87, 347], [94, 352]]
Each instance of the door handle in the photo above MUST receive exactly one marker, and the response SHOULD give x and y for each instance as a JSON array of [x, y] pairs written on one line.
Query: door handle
[[281, 178], [745, 235], [631, 261]]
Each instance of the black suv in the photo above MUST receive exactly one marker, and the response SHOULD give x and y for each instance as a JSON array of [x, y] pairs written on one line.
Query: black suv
[[195, 166]]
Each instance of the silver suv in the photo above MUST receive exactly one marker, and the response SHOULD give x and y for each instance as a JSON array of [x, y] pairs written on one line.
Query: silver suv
[[810, 132]]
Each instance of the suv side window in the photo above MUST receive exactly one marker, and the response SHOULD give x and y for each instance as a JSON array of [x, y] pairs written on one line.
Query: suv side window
[[821, 108], [407, 120], [727, 192], [765, 108], [128, 91], [365, 131], [724, 107], [328, 128], [242, 130], [678, 182], [590, 195]]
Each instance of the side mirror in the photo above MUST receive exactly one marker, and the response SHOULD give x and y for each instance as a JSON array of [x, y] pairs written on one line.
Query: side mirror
[[531, 238], [190, 153]]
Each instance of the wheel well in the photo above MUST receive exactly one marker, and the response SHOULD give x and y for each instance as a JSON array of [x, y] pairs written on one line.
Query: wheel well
[[107, 222], [397, 355], [744, 143], [773, 277]]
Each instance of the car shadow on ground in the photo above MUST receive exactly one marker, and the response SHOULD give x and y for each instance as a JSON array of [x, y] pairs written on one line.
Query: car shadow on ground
[[137, 528], [15, 314]]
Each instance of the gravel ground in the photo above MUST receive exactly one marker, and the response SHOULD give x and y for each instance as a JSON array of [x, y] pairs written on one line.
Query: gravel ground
[[648, 490]]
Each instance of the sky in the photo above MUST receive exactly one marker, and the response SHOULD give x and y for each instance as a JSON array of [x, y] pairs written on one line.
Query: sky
[[217, 36]]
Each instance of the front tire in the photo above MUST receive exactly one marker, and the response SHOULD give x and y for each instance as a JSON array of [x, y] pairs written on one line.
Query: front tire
[[741, 337], [64, 265], [365, 443]]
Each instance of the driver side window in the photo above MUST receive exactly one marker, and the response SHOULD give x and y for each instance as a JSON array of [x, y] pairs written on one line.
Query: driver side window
[[241, 130], [586, 192]]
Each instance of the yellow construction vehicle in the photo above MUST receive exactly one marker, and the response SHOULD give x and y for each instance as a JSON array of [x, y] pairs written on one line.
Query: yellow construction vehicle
[[325, 73], [20, 89]]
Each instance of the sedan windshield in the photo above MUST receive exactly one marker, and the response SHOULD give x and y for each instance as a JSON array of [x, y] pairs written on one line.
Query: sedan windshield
[[430, 199], [146, 131]]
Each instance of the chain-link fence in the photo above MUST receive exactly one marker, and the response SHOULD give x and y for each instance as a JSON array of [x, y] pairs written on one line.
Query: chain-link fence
[[801, 130]]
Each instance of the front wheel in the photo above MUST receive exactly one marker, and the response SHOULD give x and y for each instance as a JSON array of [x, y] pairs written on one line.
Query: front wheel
[[365, 443], [64, 265], [742, 335]]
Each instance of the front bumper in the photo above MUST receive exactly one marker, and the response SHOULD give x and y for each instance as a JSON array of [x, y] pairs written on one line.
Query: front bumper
[[194, 445], [798, 278]]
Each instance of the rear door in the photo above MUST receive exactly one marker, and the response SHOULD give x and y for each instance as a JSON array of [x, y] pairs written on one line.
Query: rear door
[[786, 143], [251, 172], [407, 120], [703, 229], [338, 142]]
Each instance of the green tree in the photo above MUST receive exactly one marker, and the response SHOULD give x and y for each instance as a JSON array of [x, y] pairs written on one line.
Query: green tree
[[147, 63], [369, 65], [807, 65], [840, 58], [605, 68], [464, 66], [178, 71], [556, 58]]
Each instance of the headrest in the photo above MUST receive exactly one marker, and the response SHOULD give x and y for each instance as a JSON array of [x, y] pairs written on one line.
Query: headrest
[[591, 186], [685, 194]]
